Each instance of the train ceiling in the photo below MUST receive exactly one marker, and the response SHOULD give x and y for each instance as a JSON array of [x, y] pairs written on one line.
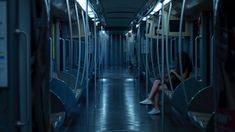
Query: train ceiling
[[118, 14]]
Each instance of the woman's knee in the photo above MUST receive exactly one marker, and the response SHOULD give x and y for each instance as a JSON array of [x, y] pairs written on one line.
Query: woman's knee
[[160, 87]]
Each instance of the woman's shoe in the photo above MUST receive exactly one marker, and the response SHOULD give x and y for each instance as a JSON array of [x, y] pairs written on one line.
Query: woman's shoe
[[146, 102], [154, 111]]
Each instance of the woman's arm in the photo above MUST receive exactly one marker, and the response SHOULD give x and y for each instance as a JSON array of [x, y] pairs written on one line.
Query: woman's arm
[[185, 74], [176, 74]]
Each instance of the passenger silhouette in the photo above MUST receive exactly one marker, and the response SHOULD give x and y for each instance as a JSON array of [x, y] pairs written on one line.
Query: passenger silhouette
[[175, 79]]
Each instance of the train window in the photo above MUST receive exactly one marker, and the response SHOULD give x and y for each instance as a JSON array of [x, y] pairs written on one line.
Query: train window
[[174, 26]]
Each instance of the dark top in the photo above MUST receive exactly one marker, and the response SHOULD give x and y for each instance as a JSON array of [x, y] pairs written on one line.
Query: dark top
[[187, 68]]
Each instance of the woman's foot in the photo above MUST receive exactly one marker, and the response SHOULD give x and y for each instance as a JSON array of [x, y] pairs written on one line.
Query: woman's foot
[[154, 111], [146, 102]]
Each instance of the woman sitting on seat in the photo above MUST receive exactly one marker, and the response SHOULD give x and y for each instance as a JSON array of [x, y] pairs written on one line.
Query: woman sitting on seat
[[175, 79]]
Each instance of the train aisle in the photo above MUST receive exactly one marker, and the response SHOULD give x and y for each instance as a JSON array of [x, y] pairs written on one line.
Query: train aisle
[[117, 108]]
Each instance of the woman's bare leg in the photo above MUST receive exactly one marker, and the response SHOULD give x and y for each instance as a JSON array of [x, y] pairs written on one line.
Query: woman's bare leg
[[154, 89], [157, 96]]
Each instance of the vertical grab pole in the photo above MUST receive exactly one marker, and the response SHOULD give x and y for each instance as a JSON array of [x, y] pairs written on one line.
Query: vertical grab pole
[[162, 76], [196, 56], [111, 48], [79, 45], [167, 49], [64, 54], [171, 48], [126, 47], [95, 56], [215, 17], [212, 61], [25, 84], [90, 48], [87, 62], [71, 33], [100, 52], [51, 67], [151, 50], [179, 49], [158, 58], [139, 57], [120, 48], [146, 57]]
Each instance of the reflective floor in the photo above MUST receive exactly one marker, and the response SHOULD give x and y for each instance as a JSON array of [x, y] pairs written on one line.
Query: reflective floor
[[117, 108]]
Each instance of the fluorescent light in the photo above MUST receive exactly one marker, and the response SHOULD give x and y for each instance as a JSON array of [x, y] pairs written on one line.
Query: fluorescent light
[[137, 25], [166, 2], [129, 79], [159, 6], [103, 80], [91, 15], [82, 3], [144, 19]]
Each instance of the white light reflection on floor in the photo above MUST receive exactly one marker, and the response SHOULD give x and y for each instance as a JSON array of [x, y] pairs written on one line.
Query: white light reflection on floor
[[103, 117], [130, 105], [103, 80], [129, 79]]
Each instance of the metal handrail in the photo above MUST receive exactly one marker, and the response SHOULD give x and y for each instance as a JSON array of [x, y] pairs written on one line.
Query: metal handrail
[[162, 72], [139, 48], [158, 58], [71, 33], [167, 57], [196, 58], [64, 54], [85, 64], [180, 46], [212, 61], [79, 44], [146, 56], [25, 84], [151, 51], [95, 59], [51, 67]]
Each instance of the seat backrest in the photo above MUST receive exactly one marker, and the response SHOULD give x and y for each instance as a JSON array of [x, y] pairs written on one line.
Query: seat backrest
[[184, 92], [63, 92], [203, 101], [68, 79], [72, 72]]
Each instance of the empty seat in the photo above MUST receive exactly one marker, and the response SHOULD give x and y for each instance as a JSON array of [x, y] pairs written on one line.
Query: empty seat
[[183, 93], [63, 93], [68, 78], [201, 107]]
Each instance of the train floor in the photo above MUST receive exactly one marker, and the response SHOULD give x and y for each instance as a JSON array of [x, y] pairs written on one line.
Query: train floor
[[115, 108]]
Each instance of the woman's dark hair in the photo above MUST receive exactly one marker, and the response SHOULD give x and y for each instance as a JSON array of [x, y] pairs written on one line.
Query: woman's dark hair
[[186, 64]]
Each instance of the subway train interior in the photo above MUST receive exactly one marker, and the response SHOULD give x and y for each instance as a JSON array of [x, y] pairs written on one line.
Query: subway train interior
[[117, 66]]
